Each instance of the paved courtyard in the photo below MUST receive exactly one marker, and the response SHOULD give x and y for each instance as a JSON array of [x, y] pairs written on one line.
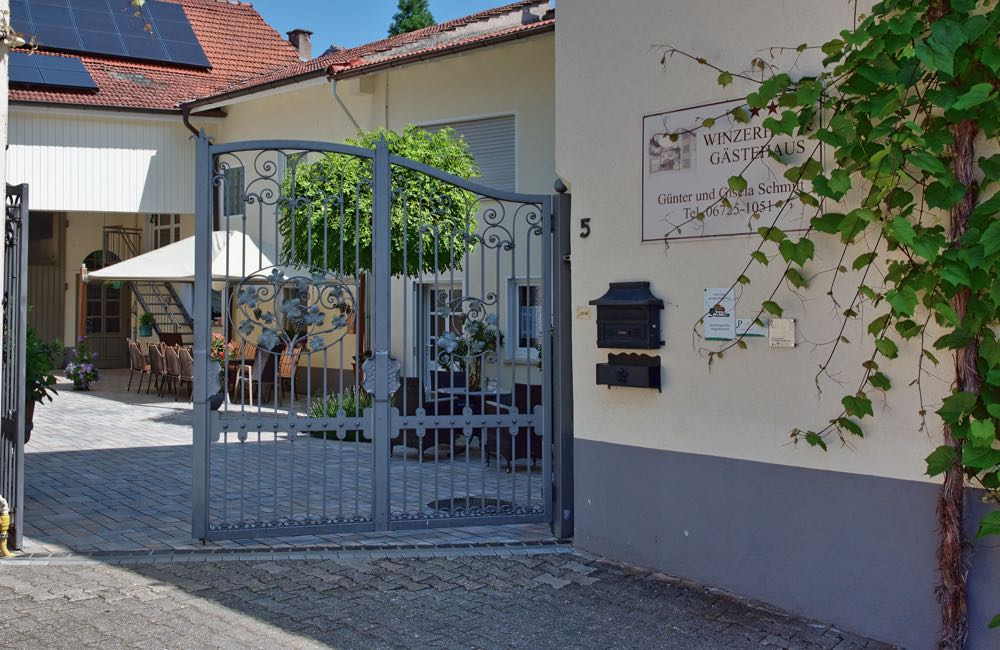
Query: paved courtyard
[[109, 471], [109, 562], [520, 599]]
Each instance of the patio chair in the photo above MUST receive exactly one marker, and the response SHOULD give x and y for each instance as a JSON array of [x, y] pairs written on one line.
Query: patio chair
[[172, 376], [257, 373], [137, 364], [287, 367], [411, 397], [186, 372], [243, 353], [523, 444], [157, 368]]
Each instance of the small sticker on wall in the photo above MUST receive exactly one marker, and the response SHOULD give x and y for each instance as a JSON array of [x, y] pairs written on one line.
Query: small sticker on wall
[[781, 332], [583, 313], [720, 314], [747, 327]]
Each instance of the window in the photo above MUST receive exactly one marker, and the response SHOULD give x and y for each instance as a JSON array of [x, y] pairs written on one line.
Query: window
[[492, 143], [524, 335], [435, 306], [232, 192], [166, 229]]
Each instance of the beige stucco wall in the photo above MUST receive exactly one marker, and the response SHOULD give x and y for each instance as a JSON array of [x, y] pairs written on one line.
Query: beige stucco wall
[[516, 78], [510, 79], [749, 401]]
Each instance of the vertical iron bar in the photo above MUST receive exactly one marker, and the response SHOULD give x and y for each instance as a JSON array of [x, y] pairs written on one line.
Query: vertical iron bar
[[21, 325], [202, 300], [381, 196]]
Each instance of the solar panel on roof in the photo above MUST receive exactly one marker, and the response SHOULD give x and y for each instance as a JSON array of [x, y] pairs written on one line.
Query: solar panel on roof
[[55, 71], [158, 31]]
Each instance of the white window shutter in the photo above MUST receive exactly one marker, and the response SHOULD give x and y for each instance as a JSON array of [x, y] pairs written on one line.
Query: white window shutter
[[491, 142]]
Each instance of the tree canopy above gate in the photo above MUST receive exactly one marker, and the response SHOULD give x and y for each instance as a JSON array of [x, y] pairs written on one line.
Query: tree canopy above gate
[[326, 219]]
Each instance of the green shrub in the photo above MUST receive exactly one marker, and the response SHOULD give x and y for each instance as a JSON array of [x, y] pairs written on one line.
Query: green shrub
[[437, 217], [351, 401], [40, 362]]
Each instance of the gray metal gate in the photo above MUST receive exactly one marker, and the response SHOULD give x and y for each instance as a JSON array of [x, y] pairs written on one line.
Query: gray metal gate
[[15, 318], [382, 342]]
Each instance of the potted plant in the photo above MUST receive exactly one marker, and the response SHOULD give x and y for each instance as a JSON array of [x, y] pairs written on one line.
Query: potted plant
[[146, 322], [39, 362], [82, 370], [479, 340]]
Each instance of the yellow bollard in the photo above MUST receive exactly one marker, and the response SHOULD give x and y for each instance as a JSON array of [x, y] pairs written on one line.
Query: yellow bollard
[[4, 527]]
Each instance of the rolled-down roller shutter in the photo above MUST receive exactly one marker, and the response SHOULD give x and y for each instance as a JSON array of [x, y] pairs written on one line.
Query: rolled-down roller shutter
[[491, 142]]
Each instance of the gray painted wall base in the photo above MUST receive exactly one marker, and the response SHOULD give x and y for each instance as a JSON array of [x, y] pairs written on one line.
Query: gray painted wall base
[[856, 551]]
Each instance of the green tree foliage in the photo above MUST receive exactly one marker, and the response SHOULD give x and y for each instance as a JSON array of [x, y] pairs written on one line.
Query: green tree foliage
[[332, 224], [411, 15], [910, 112]]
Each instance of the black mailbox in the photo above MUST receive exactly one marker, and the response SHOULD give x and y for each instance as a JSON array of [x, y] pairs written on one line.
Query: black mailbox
[[630, 371], [628, 316]]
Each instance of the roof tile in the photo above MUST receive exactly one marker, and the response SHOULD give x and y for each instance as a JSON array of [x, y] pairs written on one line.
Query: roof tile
[[236, 39], [393, 49]]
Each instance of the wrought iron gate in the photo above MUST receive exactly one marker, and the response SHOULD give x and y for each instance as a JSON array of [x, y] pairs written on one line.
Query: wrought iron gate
[[15, 319], [383, 352]]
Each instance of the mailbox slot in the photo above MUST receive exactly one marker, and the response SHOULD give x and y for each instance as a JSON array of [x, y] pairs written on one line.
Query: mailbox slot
[[631, 371], [628, 317]]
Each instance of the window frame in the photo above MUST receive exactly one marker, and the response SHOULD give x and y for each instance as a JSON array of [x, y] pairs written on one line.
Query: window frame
[[512, 330], [424, 343], [171, 229], [224, 191], [451, 122]]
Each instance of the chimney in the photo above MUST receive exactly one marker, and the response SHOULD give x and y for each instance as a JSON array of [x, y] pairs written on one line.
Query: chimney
[[301, 40]]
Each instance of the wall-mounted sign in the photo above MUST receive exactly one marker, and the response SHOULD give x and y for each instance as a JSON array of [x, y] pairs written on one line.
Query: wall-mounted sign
[[686, 171], [719, 320], [781, 332], [749, 327]]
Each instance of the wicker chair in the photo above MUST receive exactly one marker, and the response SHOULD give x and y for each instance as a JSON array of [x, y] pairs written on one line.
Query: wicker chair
[[157, 368], [525, 443], [172, 376], [137, 364], [186, 372], [410, 398]]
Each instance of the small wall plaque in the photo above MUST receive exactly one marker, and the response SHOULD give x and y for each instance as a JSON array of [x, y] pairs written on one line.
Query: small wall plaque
[[781, 332]]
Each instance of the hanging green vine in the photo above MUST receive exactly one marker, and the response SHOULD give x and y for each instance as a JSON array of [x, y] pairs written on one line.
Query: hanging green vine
[[906, 114]]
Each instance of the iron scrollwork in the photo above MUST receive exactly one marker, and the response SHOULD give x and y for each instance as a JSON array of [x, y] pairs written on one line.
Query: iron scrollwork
[[312, 309]]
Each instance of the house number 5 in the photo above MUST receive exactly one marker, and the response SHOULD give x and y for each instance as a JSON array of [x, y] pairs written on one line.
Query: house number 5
[[585, 227]]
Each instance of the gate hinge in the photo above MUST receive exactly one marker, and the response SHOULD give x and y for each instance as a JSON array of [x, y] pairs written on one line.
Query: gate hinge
[[567, 258]]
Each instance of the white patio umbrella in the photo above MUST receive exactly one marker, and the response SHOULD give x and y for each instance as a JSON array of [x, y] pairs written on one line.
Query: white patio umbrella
[[234, 256]]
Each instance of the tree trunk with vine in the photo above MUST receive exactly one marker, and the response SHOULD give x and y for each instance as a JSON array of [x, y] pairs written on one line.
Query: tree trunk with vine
[[951, 500]]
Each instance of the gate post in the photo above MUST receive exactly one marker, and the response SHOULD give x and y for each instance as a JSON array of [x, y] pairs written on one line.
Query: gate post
[[562, 367], [381, 278], [202, 326]]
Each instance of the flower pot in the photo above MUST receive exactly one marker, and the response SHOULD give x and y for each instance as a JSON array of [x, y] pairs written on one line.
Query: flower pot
[[145, 330], [81, 384]]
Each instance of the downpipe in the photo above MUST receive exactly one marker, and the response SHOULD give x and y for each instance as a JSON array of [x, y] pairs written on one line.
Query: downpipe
[[343, 106], [4, 527]]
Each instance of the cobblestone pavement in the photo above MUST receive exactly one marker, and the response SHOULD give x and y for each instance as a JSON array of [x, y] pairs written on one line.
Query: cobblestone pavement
[[554, 599], [109, 471]]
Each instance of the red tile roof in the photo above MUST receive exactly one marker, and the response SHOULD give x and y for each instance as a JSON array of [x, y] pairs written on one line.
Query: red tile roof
[[237, 41], [386, 52]]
